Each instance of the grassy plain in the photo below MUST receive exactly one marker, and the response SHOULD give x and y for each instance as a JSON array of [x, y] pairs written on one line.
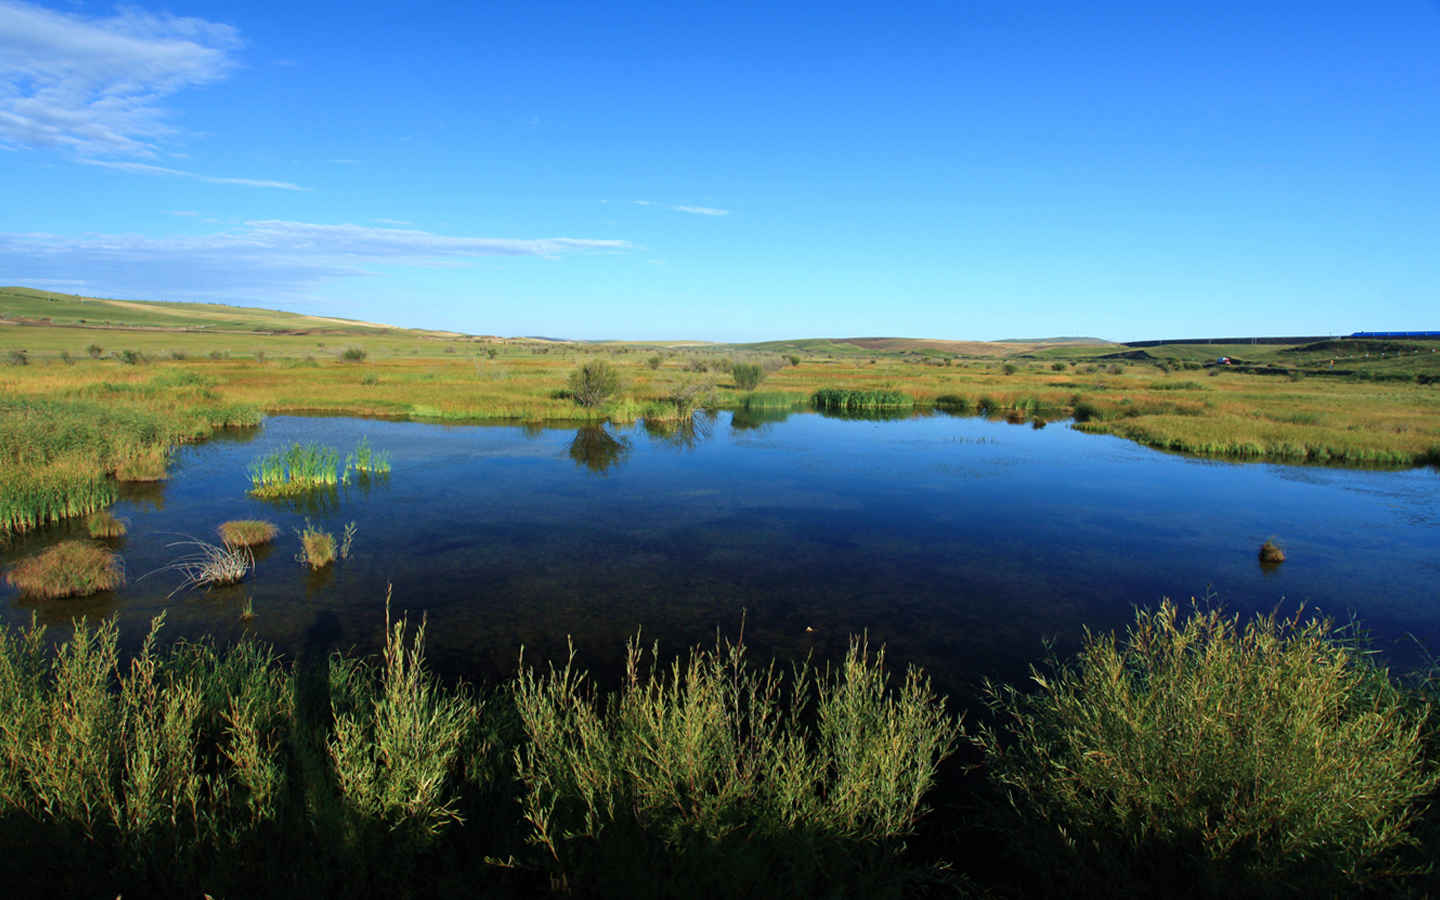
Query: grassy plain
[[92, 403]]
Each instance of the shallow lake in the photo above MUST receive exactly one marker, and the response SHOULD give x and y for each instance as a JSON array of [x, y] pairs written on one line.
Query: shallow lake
[[962, 544]]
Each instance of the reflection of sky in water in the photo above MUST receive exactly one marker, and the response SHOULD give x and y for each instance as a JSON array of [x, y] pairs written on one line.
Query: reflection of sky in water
[[959, 541]]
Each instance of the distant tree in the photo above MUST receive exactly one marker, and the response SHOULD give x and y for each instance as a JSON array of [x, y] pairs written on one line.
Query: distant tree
[[354, 354], [94, 350], [654, 362], [794, 360], [594, 382]]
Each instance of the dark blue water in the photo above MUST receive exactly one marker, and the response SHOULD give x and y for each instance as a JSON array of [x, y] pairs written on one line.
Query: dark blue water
[[963, 544]]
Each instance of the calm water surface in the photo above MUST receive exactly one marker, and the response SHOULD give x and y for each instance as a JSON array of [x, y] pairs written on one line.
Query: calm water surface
[[962, 544]]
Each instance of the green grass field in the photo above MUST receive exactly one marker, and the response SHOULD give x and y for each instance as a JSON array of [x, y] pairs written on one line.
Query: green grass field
[[213, 366]]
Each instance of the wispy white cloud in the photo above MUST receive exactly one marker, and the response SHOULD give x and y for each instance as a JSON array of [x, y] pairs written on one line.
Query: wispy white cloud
[[693, 210], [393, 222], [263, 258], [147, 169], [95, 85], [183, 212]]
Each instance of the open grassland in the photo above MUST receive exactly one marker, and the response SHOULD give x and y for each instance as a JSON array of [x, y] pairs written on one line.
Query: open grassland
[[81, 407], [1195, 755]]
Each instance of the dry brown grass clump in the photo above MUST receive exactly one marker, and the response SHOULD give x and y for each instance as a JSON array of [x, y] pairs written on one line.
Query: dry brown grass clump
[[1270, 553], [68, 569], [247, 532], [317, 547], [103, 524]]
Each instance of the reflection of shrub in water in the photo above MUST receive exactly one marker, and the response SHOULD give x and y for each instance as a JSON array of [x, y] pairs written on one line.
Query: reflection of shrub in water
[[597, 449]]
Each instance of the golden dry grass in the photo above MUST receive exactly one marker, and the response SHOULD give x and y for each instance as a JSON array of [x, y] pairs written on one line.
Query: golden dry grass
[[246, 532], [68, 569]]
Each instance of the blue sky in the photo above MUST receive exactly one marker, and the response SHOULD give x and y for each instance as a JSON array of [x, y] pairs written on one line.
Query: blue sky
[[960, 170]]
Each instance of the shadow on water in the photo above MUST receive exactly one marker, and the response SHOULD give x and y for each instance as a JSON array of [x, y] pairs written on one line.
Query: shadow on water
[[683, 435], [757, 419], [598, 450], [142, 493]]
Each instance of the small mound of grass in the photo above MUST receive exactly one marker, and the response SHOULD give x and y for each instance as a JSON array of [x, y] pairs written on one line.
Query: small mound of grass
[[1271, 553], [68, 569], [317, 547], [103, 524], [246, 532]]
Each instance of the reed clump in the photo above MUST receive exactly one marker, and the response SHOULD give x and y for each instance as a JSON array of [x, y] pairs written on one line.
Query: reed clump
[[296, 470], [68, 569], [1200, 753], [366, 460], [317, 547], [843, 399], [103, 524], [246, 532], [728, 778]]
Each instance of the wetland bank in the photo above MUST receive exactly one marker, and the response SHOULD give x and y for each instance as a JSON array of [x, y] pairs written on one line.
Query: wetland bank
[[681, 508]]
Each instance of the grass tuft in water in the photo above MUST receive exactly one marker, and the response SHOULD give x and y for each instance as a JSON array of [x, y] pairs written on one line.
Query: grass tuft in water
[[317, 547], [209, 565], [246, 532], [68, 569], [297, 470], [103, 524]]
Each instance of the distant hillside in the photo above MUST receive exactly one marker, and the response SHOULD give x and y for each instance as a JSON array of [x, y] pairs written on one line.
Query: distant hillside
[[30, 306], [864, 346]]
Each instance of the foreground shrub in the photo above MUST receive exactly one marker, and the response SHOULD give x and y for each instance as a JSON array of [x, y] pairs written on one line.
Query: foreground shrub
[[1208, 757], [398, 737], [714, 778], [68, 569], [246, 532], [594, 382]]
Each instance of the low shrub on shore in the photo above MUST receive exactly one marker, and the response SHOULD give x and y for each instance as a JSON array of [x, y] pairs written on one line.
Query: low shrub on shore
[[68, 569], [724, 777], [1199, 754]]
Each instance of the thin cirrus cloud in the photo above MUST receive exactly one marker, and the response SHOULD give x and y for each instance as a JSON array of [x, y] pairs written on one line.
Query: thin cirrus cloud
[[147, 169], [95, 86], [263, 258], [693, 210]]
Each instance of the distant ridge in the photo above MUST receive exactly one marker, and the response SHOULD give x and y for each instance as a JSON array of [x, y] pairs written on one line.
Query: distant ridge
[[1055, 340]]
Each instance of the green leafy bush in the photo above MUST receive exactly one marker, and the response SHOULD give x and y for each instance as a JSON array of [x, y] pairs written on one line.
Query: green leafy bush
[[594, 382], [711, 777], [1203, 754]]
